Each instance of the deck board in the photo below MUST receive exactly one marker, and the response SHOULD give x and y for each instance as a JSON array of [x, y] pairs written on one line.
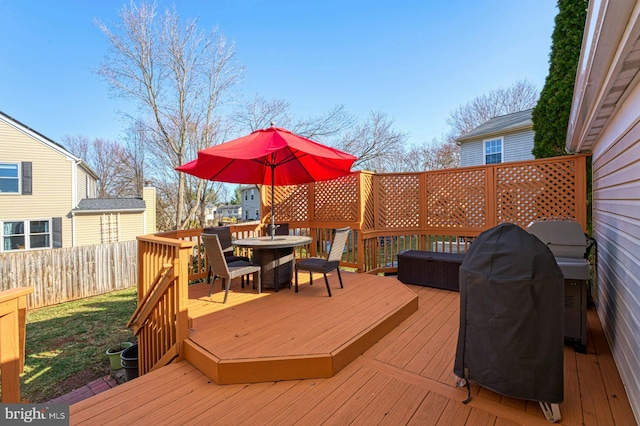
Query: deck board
[[404, 378], [286, 335]]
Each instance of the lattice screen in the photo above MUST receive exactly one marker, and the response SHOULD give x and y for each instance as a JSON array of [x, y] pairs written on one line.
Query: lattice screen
[[527, 192], [366, 190], [399, 201], [337, 199], [470, 198], [291, 203], [456, 198]]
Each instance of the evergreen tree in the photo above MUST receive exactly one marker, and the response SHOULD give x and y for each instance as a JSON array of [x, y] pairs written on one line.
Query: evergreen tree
[[551, 114]]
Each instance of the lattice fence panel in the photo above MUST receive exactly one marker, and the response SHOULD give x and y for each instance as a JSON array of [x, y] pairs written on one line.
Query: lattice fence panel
[[399, 201], [456, 199], [337, 199], [291, 203], [366, 189], [527, 192]]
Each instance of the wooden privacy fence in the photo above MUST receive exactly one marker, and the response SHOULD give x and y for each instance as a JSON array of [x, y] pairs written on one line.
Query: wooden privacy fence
[[61, 275]]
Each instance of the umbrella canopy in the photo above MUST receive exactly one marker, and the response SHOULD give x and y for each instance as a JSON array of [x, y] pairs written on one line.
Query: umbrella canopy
[[272, 156]]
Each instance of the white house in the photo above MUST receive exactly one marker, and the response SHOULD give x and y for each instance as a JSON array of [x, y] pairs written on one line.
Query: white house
[[605, 120], [250, 202], [504, 138]]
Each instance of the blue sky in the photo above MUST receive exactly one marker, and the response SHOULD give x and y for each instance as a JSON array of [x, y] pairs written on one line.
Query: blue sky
[[416, 61]]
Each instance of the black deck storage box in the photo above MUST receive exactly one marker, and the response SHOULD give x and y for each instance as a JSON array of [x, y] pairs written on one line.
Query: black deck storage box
[[430, 269]]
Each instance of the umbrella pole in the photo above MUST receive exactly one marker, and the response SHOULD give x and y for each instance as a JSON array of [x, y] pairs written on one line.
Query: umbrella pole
[[273, 220]]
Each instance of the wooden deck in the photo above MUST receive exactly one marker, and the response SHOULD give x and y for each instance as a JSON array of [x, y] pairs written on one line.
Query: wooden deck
[[404, 378], [288, 336]]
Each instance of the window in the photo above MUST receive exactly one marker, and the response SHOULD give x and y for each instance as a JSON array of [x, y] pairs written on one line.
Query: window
[[25, 235], [252, 194], [9, 178], [493, 151]]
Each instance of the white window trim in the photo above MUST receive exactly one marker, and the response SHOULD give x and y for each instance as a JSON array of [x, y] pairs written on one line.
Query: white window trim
[[484, 149], [27, 234], [19, 179]]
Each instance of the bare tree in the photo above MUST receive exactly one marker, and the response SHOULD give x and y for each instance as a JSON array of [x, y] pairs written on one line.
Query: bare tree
[[522, 95], [178, 76], [260, 113], [110, 161], [375, 142], [439, 154]]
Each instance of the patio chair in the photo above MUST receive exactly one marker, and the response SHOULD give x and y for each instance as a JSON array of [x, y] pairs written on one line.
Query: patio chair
[[316, 264], [224, 236], [281, 229], [220, 268]]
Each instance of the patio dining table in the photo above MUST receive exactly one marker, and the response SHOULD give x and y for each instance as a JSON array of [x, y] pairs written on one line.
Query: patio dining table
[[275, 257]]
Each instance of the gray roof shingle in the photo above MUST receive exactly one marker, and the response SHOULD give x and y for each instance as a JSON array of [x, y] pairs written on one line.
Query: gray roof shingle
[[110, 204], [502, 124]]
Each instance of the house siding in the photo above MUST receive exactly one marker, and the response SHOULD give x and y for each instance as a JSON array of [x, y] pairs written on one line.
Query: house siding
[[52, 185], [616, 225], [471, 153], [518, 146], [83, 189], [103, 228]]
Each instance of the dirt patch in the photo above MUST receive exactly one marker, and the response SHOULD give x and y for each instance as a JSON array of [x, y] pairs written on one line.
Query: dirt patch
[[71, 383]]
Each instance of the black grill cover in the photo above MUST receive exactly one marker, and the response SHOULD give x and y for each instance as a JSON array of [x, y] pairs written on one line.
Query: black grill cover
[[512, 316]]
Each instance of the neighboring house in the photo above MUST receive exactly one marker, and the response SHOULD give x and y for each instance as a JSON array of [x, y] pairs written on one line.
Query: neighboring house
[[229, 211], [250, 202], [498, 140], [42, 186], [209, 213], [605, 120]]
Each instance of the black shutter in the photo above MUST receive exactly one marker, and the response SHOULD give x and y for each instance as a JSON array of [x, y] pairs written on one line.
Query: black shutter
[[26, 178], [56, 231]]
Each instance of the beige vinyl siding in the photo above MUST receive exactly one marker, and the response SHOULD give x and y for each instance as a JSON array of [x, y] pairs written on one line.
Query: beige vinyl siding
[[131, 226], [52, 181], [616, 223], [102, 228], [518, 146], [149, 197], [82, 184]]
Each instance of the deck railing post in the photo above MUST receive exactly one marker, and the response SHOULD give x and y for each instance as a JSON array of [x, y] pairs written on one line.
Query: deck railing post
[[13, 309], [181, 266]]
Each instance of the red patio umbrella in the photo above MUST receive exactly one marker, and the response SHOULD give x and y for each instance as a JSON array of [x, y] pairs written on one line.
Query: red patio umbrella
[[254, 158]]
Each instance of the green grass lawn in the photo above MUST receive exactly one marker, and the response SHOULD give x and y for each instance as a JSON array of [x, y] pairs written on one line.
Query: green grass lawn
[[66, 343]]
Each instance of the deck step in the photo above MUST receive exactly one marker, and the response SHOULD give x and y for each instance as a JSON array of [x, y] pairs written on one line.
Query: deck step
[[308, 336]]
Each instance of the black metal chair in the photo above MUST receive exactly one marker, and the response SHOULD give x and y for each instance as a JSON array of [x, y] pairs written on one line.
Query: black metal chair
[[317, 264]]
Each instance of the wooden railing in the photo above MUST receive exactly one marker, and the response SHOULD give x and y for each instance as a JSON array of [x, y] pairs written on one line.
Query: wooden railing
[[161, 319], [13, 310]]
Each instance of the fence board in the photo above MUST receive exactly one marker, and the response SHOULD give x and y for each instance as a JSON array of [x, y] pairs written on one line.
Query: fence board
[[61, 275]]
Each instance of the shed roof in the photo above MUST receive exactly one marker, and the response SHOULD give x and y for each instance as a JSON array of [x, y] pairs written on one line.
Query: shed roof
[[498, 125], [94, 205]]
